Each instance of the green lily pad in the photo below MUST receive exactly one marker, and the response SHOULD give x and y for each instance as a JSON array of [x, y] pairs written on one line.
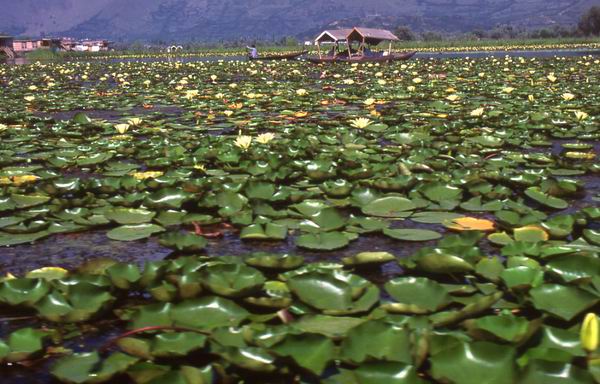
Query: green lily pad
[[134, 232]]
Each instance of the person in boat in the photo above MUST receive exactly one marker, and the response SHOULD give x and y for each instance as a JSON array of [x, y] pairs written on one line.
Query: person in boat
[[252, 51]]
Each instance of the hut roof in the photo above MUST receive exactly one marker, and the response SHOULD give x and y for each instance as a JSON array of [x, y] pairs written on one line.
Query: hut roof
[[333, 35], [371, 35]]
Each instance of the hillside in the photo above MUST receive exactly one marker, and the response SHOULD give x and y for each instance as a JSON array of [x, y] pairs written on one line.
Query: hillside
[[231, 19]]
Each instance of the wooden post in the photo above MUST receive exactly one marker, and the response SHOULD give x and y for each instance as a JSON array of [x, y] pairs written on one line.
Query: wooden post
[[319, 49], [390, 49]]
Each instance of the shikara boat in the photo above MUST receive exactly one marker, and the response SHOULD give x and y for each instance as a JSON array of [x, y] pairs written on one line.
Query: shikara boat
[[365, 37], [361, 59], [287, 56]]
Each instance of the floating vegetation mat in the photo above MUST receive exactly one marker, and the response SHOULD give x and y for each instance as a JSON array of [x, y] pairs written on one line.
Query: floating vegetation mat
[[427, 221]]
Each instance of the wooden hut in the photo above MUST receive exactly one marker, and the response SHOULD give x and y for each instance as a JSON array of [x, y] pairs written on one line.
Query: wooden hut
[[6, 46], [369, 37]]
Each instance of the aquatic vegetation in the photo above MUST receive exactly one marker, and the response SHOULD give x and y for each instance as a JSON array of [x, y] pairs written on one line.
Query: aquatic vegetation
[[485, 170]]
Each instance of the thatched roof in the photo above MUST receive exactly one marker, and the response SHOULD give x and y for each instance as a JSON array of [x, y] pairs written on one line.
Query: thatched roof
[[371, 36], [333, 35]]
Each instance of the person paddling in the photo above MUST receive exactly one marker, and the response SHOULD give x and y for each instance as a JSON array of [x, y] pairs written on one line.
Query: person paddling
[[253, 53]]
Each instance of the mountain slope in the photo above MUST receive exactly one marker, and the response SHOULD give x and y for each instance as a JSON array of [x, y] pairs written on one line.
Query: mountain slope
[[232, 19]]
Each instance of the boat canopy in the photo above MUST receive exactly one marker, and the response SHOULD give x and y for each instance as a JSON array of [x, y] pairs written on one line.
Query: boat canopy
[[370, 36], [332, 36]]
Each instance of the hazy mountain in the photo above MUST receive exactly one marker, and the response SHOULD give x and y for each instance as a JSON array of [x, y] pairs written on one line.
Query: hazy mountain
[[230, 19]]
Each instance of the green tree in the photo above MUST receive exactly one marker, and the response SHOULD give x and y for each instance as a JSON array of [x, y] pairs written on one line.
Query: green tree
[[404, 33], [589, 24]]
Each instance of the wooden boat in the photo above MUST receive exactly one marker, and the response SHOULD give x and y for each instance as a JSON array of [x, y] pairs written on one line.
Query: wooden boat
[[362, 59], [287, 56]]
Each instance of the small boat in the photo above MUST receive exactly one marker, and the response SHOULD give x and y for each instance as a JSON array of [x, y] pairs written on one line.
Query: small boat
[[287, 56], [362, 59]]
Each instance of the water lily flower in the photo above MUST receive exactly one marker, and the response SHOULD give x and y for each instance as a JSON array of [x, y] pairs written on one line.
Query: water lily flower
[[531, 98], [381, 82], [507, 89], [3, 127], [136, 121], [243, 142], [191, 94], [589, 332], [580, 115], [348, 81], [417, 80], [301, 92], [200, 167], [360, 122], [568, 96], [147, 175], [228, 113], [411, 88], [265, 138], [452, 97], [213, 77], [29, 98], [551, 77], [477, 112], [32, 88], [122, 128], [369, 101]]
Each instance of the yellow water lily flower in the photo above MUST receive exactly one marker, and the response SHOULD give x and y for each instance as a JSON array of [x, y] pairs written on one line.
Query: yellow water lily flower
[[568, 96], [369, 101], [507, 89], [417, 80], [589, 332], [411, 88], [452, 97], [122, 128], [190, 94], [147, 175], [348, 81], [265, 138], [228, 113], [551, 77], [381, 82], [136, 121], [29, 98], [3, 127], [301, 92], [360, 122], [200, 167], [24, 179], [531, 98], [580, 115], [477, 112], [243, 141]]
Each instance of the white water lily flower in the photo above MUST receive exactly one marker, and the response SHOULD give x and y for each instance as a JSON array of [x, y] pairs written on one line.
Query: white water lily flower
[[348, 81], [568, 96], [580, 115], [411, 88], [381, 82], [301, 92], [29, 98], [136, 121], [551, 77], [452, 97], [369, 101], [228, 113], [265, 138], [531, 98], [3, 127], [417, 80], [244, 142], [360, 122], [213, 77], [477, 112], [122, 128], [507, 89]]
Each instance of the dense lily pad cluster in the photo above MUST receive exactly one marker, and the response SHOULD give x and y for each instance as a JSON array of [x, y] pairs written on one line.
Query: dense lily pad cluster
[[503, 151]]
